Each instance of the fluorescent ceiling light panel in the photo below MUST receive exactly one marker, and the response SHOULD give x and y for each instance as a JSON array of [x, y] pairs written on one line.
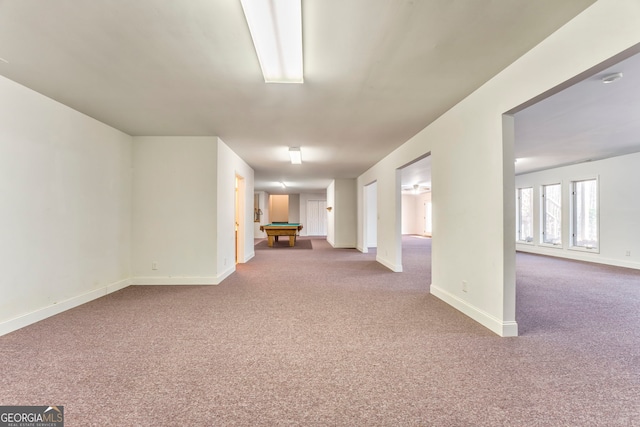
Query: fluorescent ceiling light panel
[[276, 30], [296, 156]]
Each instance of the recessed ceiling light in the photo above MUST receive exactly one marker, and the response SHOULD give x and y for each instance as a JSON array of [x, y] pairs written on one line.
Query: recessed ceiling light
[[610, 78], [295, 155]]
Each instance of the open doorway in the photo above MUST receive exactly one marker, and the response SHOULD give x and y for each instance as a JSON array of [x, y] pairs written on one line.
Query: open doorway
[[576, 149], [370, 224], [416, 210], [240, 224]]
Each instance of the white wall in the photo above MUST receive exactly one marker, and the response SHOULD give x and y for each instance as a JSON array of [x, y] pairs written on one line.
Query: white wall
[[342, 219], [619, 189], [184, 210], [413, 213], [175, 210], [473, 173], [388, 237], [294, 208], [231, 165], [372, 214], [410, 214], [263, 200], [65, 210], [331, 220]]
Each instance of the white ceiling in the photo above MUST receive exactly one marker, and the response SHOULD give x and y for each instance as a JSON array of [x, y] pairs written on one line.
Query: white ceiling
[[376, 71], [417, 173], [587, 121]]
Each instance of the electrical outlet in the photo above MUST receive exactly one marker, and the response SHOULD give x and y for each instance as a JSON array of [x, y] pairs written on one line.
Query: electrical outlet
[[465, 288], [628, 253], [225, 261], [154, 265]]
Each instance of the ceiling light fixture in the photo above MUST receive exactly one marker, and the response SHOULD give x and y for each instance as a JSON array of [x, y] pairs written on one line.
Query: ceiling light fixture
[[610, 78], [276, 30], [295, 155]]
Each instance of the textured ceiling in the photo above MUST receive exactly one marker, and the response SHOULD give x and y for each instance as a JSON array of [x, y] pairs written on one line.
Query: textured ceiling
[[376, 71]]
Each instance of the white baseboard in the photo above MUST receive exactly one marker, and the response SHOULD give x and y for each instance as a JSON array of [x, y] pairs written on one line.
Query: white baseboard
[[396, 268], [577, 256], [173, 281], [53, 309], [116, 286], [221, 276], [500, 327], [182, 280]]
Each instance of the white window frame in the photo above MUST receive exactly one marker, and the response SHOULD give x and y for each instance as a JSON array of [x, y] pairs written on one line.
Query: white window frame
[[543, 216], [519, 217], [574, 218]]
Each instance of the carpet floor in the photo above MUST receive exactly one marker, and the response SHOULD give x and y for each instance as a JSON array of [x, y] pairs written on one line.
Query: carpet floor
[[332, 338], [283, 243]]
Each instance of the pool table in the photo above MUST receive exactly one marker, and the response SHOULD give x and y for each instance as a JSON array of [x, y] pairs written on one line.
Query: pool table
[[276, 229]]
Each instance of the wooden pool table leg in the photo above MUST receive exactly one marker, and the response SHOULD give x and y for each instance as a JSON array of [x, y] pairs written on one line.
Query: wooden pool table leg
[[292, 240], [270, 241]]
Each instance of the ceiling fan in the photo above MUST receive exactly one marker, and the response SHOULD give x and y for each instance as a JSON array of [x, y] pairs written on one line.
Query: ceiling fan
[[416, 188]]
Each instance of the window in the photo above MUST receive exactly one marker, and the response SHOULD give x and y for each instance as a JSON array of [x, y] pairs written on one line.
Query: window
[[552, 214], [524, 215], [584, 218]]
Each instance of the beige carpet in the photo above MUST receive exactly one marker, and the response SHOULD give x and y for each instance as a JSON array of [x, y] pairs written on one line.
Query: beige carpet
[[329, 337]]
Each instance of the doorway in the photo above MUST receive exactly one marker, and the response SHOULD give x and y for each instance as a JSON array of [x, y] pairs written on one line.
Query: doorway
[[370, 233], [416, 219], [316, 218], [239, 221]]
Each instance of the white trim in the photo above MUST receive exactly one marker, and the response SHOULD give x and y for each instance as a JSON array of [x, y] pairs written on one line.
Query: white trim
[[249, 256], [221, 276], [577, 255], [542, 217], [584, 249], [500, 327], [391, 266], [116, 286], [182, 280], [551, 245], [334, 246], [572, 213], [57, 308], [173, 281]]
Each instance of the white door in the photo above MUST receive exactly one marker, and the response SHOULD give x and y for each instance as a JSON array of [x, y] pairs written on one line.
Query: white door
[[316, 218]]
